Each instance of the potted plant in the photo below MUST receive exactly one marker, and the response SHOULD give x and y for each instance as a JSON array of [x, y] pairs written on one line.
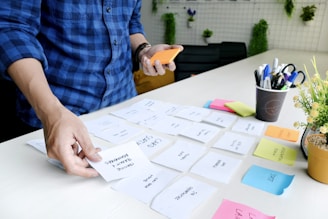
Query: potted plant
[[169, 23], [313, 100], [191, 17], [207, 34], [308, 13], [259, 39]]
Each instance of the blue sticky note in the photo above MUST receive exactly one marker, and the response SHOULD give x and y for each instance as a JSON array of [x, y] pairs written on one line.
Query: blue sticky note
[[207, 104], [267, 180]]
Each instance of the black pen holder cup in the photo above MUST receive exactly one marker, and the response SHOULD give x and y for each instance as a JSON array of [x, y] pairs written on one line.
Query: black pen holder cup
[[269, 103]]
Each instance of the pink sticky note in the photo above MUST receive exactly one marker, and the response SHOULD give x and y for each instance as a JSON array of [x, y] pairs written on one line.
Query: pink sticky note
[[233, 210], [219, 105]]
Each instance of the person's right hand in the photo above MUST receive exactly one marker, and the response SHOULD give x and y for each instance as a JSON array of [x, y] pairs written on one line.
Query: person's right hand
[[64, 132]]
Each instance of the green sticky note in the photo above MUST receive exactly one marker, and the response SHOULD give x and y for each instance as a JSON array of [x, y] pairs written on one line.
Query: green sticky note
[[240, 108], [276, 152]]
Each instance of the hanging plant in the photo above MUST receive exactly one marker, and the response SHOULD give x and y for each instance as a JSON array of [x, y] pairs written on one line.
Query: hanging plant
[[308, 13], [288, 6], [169, 23], [154, 6], [259, 40]]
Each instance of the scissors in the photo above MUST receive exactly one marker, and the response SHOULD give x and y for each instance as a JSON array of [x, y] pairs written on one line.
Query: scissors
[[288, 69]]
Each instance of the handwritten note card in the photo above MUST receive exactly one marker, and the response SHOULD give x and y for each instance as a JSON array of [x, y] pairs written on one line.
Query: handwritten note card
[[234, 142], [180, 156], [234, 210], [274, 151], [146, 184], [282, 133], [171, 125], [96, 125], [150, 143], [221, 119], [267, 180], [119, 134], [249, 126], [216, 167], [121, 161], [196, 114], [180, 199], [200, 132]]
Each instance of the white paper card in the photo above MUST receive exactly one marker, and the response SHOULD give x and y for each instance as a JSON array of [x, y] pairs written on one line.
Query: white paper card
[[150, 143], [180, 156], [221, 119], [234, 142], [201, 132], [146, 184], [196, 114], [171, 125], [216, 167], [101, 123], [249, 126], [121, 161], [118, 134], [180, 199]]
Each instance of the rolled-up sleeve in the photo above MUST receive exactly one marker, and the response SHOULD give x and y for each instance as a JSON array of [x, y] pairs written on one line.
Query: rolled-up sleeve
[[19, 27], [135, 25]]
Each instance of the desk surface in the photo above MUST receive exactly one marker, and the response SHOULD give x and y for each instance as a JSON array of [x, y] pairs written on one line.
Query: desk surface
[[30, 187]]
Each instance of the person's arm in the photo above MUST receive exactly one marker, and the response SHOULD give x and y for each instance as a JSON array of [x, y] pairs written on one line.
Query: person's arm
[[63, 130]]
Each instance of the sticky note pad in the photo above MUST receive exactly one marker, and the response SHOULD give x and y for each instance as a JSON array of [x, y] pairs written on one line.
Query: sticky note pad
[[233, 210], [276, 152], [240, 108], [219, 105], [165, 56], [282, 133], [267, 180]]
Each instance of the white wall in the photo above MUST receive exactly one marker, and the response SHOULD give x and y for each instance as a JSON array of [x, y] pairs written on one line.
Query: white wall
[[234, 20]]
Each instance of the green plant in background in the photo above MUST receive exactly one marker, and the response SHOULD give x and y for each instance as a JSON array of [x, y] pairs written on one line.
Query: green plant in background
[[207, 33], [288, 6], [259, 40], [169, 23], [308, 12], [154, 6]]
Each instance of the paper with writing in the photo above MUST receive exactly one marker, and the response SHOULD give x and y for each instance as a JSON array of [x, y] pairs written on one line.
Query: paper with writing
[[146, 184], [200, 132], [234, 210], [196, 114], [171, 125], [267, 180], [180, 199], [249, 126], [120, 161], [118, 134], [150, 143], [101, 123], [234, 142], [180, 156], [221, 119], [274, 151], [216, 167]]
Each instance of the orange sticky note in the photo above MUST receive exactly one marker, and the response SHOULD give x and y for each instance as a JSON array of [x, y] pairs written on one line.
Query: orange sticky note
[[165, 56], [282, 133]]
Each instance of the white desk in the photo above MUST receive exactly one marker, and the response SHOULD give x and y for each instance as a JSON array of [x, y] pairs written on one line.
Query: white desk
[[30, 187]]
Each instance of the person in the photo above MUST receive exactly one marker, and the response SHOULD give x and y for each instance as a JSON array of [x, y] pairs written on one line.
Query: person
[[69, 58]]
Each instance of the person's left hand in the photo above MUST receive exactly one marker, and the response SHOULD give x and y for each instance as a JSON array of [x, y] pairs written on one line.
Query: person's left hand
[[158, 68]]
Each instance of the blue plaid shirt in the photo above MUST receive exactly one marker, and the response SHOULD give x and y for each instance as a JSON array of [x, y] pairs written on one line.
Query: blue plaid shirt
[[83, 45]]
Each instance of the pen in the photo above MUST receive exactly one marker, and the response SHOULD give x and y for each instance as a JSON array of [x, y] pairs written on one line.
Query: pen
[[266, 77], [290, 80]]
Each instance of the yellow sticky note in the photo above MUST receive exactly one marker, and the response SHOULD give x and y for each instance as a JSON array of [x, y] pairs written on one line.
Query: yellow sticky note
[[276, 152], [240, 108], [282, 133]]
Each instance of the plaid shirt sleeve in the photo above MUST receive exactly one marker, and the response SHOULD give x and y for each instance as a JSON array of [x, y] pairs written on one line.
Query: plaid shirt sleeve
[[19, 25], [83, 45]]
